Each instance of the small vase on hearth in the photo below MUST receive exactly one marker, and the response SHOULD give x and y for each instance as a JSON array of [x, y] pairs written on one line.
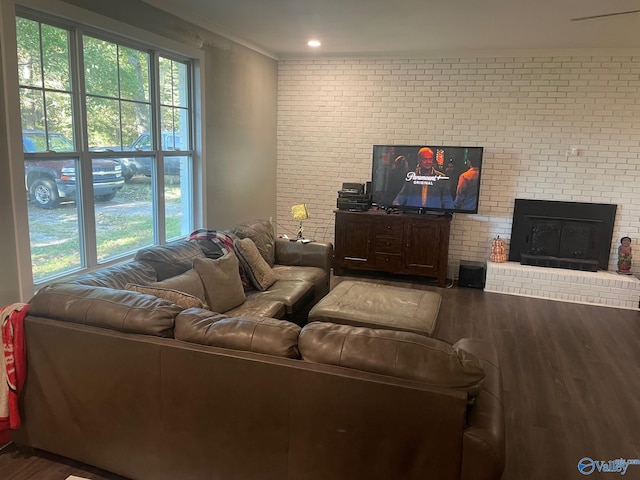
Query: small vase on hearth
[[498, 254]]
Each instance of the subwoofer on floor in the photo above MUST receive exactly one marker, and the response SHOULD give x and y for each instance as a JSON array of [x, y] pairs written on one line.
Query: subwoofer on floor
[[472, 274]]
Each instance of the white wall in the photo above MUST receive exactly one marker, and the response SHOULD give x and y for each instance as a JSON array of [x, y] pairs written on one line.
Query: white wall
[[527, 112], [10, 287], [241, 90]]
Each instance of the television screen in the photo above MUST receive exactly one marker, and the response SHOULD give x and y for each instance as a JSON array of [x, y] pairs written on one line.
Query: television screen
[[426, 177]]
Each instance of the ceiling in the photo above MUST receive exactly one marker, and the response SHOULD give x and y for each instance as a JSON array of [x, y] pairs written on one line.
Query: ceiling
[[281, 28]]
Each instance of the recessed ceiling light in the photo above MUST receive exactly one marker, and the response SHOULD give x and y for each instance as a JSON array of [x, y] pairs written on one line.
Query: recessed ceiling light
[[314, 43]]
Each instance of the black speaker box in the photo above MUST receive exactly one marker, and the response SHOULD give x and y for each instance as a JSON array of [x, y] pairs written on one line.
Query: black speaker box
[[471, 274]]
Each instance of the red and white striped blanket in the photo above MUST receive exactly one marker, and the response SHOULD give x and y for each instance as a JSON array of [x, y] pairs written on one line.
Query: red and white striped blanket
[[12, 367]]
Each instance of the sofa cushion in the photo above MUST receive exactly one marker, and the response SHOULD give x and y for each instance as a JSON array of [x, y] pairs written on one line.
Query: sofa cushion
[[120, 310], [258, 270], [179, 298], [295, 294], [221, 280], [188, 282], [252, 334], [259, 307], [171, 259], [117, 276], [313, 275], [262, 234], [394, 353]]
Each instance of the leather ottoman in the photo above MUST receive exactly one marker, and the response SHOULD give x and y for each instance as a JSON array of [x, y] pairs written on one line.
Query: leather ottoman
[[372, 305]]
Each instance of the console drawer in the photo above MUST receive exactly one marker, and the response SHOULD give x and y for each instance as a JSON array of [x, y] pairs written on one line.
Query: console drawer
[[391, 226], [388, 245], [388, 260]]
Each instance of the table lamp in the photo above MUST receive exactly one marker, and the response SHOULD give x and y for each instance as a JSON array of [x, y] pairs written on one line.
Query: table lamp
[[300, 213]]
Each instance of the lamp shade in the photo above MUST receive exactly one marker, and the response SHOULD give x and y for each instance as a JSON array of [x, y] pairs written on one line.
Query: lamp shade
[[300, 212]]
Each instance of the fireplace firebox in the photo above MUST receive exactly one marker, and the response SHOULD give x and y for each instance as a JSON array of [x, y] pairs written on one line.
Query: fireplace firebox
[[556, 234]]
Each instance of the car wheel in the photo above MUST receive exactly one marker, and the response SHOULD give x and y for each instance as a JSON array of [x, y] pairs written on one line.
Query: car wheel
[[106, 198], [44, 193]]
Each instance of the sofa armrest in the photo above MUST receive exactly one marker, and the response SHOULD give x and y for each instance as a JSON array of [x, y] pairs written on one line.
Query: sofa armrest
[[483, 453], [312, 254]]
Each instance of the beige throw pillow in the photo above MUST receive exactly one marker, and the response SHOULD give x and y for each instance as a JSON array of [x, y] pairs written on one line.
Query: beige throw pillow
[[258, 270], [221, 280], [181, 299]]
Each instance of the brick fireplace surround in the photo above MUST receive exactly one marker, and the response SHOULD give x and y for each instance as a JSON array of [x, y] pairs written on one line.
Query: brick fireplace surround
[[604, 288]]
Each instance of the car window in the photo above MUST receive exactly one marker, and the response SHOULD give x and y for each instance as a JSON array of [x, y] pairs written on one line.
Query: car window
[[170, 141], [142, 143], [60, 143], [29, 145], [36, 142]]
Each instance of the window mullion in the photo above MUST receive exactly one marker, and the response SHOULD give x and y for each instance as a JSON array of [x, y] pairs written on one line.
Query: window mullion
[[86, 212], [159, 229], [44, 88]]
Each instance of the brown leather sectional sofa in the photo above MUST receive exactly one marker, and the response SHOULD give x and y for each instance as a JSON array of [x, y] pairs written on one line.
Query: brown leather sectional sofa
[[141, 387], [303, 271]]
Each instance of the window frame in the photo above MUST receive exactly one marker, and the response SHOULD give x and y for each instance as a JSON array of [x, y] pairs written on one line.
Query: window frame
[[64, 15]]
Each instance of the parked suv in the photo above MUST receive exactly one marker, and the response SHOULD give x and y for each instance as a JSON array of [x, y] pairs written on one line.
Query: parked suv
[[142, 165], [51, 181]]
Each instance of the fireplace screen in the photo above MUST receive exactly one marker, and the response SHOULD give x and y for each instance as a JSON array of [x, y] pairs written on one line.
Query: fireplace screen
[[558, 238]]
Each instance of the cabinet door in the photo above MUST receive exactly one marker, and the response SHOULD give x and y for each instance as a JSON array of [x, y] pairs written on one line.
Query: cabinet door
[[423, 247], [353, 240]]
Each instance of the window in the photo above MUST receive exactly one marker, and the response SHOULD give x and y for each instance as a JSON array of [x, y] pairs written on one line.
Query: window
[[107, 133]]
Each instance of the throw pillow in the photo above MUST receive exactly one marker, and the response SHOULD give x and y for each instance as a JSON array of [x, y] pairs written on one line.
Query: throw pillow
[[221, 280], [188, 282], [262, 234], [258, 270], [181, 299]]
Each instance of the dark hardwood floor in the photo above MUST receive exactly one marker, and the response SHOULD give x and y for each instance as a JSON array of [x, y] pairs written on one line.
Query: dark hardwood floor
[[39, 465], [571, 384]]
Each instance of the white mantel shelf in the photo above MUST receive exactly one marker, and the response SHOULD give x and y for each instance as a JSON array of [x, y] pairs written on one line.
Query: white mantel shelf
[[607, 289]]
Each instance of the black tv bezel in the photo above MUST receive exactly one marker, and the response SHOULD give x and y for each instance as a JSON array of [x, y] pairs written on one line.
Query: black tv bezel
[[414, 209]]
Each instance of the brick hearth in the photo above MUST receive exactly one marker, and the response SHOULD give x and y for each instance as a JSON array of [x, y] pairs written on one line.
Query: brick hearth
[[597, 288]]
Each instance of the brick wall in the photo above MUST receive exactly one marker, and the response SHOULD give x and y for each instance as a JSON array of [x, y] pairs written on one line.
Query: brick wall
[[527, 112]]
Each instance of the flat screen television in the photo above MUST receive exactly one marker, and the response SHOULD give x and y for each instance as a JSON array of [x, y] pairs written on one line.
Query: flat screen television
[[426, 178]]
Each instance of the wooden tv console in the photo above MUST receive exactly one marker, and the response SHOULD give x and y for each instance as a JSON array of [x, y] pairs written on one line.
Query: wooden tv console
[[399, 243]]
